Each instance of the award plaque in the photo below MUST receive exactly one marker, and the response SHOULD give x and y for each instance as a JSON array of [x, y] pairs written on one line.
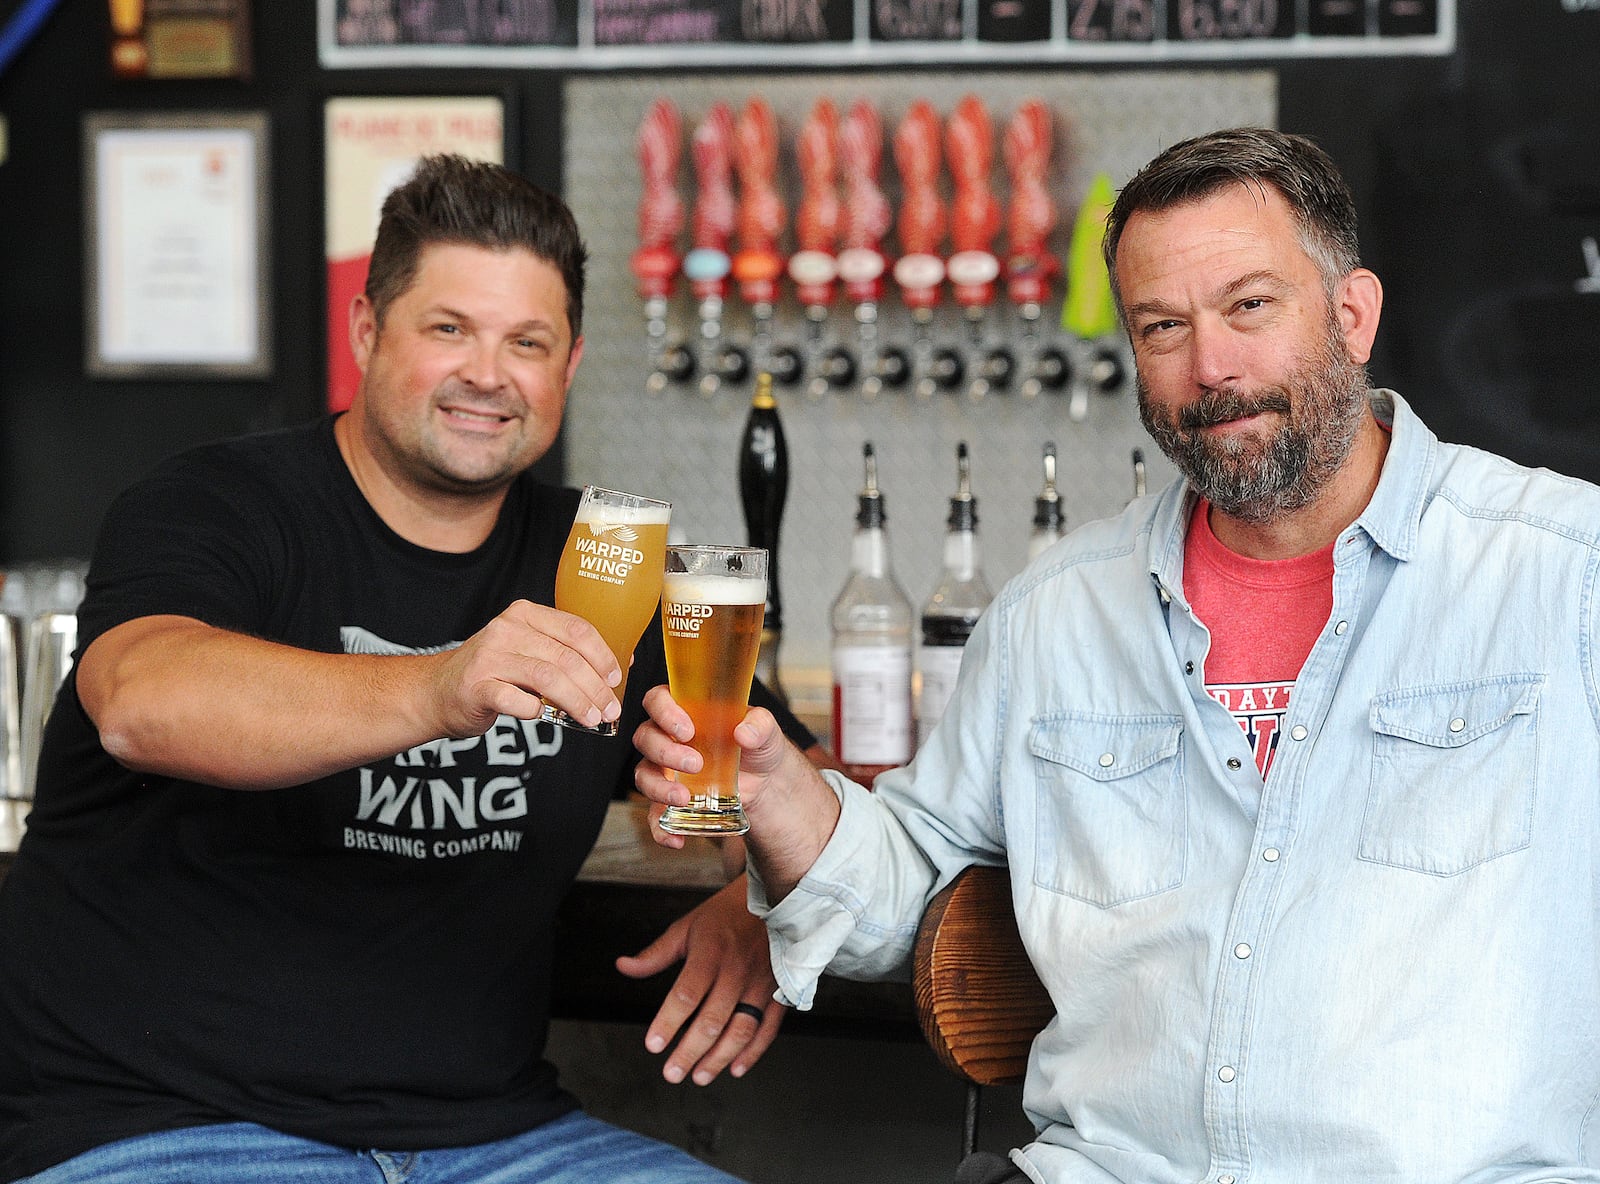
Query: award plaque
[[180, 38]]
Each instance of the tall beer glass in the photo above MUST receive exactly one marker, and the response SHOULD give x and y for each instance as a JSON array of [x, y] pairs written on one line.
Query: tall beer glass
[[610, 575], [712, 602]]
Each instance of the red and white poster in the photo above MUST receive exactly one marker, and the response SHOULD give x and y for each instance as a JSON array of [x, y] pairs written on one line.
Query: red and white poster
[[372, 144]]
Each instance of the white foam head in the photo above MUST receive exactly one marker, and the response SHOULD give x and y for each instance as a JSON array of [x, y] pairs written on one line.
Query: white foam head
[[597, 514], [687, 588]]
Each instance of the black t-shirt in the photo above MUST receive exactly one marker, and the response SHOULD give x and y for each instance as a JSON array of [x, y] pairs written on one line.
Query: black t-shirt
[[363, 960]]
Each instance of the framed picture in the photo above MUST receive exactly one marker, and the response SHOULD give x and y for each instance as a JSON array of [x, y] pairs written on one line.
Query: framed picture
[[161, 39], [371, 145], [176, 224]]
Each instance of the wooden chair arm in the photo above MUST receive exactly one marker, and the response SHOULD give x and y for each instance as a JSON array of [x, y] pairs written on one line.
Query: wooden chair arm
[[978, 1000]]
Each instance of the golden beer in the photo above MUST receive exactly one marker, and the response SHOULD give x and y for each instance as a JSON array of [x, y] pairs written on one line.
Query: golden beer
[[610, 575], [711, 619]]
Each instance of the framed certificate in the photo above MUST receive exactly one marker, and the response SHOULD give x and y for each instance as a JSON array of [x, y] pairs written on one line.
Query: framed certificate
[[176, 234]]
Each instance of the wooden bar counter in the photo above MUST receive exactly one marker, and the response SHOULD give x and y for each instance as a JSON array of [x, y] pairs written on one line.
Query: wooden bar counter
[[630, 889]]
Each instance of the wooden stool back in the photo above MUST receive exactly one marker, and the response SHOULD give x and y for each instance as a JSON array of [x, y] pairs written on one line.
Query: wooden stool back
[[979, 1002]]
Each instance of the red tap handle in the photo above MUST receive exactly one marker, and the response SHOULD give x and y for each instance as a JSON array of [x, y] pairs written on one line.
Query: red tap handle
[[712, 227], [761, 214], [1032, 216], [660, 147], [974, 212], [920, 268], [816, 224], [865, 215]]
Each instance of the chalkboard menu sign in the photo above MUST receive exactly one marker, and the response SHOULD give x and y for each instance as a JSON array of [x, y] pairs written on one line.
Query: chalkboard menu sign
[[605, 34]]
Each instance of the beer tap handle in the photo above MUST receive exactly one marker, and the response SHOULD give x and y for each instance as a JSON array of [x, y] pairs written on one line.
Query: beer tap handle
[[864, 219], [1030, 219], [659, 147], [757, 265], [974, 212], [864, 214], [708, 264], [813, 267], [1089, 312], [763, 490], [920, 270], [1031, 216]]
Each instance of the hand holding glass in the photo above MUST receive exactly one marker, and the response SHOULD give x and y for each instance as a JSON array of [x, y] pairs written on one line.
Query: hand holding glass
[[712, 603], [610, 575]]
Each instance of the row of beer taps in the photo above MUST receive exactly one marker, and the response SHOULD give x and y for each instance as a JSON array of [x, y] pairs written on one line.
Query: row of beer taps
[[842, 222]]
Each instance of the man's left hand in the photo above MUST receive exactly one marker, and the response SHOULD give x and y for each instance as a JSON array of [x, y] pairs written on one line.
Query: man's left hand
[[726, 975]]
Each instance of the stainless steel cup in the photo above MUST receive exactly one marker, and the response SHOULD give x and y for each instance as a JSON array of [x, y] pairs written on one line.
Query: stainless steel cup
[[52, 637], [11, 659]]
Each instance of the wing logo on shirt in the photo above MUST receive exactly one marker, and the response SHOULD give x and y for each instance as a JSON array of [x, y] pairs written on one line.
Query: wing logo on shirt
[[447, 797]]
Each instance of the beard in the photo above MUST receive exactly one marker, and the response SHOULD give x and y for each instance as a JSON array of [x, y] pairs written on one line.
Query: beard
[[1323, 403]]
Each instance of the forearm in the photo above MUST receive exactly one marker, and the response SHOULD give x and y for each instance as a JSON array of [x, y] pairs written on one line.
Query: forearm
[[173, 696], [790, 823]]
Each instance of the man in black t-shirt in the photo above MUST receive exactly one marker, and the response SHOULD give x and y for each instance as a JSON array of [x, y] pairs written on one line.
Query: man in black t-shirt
[[289, 884]]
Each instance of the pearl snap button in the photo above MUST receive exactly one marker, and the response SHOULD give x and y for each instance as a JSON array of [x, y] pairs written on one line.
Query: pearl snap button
[[1234, 762], [1457, 724], [1299, 732], [1107, 760], [1224, 1179], [1341, 627], [1225, 1074], [1270, 855], [1241, 951]]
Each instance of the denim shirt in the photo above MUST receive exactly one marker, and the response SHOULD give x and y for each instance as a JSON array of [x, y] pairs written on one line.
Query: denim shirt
[[1382, 963]]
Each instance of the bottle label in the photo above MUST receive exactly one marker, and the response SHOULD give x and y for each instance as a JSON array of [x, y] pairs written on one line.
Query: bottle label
[[939, 665], [872, 704]]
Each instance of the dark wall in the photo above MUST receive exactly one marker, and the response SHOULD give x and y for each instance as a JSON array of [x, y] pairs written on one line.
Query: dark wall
[[1478, 177], [69, 443]]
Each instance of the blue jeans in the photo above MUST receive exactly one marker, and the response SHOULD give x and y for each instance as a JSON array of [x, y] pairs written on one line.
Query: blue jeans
[[574, 1149]]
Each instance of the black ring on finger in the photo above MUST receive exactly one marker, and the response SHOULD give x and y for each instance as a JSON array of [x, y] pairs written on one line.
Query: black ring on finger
[[751, 1010]]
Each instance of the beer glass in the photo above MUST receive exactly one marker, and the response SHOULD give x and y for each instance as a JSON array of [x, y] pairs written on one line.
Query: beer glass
[[610, 575], [712, 602]]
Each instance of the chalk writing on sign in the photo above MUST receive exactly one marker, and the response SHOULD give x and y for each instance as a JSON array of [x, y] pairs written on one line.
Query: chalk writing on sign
[[784, 20], [1230, 20], [916, 20], [451, 22], [1111, 20]]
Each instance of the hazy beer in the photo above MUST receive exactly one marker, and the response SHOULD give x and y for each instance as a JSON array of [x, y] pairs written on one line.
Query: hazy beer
[[610, 575], [712, 603]]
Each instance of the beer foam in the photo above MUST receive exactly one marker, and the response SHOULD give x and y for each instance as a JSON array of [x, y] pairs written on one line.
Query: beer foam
[[596, 515], [703, 589]]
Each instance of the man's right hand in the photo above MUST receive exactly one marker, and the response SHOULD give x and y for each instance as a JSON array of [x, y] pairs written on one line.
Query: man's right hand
[[791, 809], [527, 656]]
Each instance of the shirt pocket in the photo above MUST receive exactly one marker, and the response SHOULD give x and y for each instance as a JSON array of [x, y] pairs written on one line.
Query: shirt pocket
[[1454, 774], [1112, 812]]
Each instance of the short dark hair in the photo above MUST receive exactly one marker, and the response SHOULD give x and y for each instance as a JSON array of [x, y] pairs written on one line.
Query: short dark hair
[[1303, 173], [450, 199]]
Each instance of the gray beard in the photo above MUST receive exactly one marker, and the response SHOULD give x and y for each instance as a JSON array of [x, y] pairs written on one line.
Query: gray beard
[[1256, 480]]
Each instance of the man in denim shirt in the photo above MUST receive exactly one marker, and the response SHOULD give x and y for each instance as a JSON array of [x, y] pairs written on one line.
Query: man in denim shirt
[[1294, 765]]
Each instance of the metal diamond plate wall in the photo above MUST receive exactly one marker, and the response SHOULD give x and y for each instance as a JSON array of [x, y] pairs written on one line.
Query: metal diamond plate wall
[[683, 446]]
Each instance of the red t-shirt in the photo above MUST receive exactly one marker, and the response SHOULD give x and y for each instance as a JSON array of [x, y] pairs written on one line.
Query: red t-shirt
[[1264, 616]]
